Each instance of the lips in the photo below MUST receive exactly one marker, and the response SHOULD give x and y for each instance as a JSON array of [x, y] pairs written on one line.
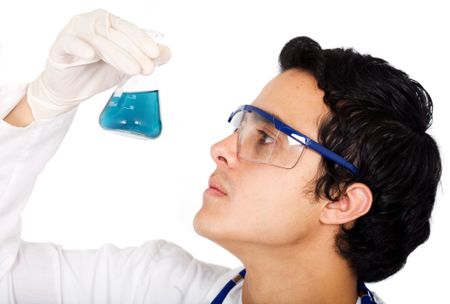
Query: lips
[[215, 184]]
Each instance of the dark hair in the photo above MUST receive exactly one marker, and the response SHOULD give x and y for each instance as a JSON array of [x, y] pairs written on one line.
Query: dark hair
[[378, 119]]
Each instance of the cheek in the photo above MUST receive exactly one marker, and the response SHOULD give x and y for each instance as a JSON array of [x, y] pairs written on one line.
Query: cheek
[[277, 212], [268, 206]]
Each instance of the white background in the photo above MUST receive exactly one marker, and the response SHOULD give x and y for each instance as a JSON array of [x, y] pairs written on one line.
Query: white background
[[102, 188]]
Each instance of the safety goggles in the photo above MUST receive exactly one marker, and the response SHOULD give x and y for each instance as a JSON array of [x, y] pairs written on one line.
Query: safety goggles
[[262, 138]]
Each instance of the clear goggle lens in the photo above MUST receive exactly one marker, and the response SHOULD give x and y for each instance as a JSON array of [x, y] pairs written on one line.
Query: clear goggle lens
[[260, 141]]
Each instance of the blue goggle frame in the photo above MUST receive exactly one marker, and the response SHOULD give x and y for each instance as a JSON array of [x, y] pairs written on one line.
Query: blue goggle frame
[[299, 137]]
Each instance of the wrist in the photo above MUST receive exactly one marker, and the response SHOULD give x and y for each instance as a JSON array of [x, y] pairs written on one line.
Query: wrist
[[43, 104], [21, 115]]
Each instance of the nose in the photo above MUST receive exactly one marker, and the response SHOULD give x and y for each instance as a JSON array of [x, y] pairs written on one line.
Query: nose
[[224, 152]]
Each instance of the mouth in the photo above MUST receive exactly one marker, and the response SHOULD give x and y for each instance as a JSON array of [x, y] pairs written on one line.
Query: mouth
[[215, 188]]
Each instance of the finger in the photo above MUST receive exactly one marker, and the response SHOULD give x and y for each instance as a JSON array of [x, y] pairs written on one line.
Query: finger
[[109, 52], [139, 37], [128, 46], [71, 45], [164, 55]]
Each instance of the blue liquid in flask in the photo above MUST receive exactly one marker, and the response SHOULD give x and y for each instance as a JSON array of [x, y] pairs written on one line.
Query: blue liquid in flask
[[135, 113]]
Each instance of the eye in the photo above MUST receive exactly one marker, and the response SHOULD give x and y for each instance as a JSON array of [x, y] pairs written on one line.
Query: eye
[[265, 138]]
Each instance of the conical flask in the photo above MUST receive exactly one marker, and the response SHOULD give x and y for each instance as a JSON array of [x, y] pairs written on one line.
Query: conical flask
[[133, 109]]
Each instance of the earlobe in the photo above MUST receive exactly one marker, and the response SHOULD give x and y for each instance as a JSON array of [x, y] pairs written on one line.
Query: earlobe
[[354, 203]]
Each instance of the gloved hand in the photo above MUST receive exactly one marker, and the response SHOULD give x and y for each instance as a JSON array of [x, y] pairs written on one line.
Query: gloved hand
[[94, 52]]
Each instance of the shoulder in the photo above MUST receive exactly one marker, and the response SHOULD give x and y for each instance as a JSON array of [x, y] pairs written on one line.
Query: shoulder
[[195, 279], [174, 261], [165, 252]]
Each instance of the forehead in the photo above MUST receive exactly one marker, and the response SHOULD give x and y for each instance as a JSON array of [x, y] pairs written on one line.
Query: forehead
[[294, 96]]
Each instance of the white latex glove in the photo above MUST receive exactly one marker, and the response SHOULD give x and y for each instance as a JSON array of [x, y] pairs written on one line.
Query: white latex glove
[[94, 52]]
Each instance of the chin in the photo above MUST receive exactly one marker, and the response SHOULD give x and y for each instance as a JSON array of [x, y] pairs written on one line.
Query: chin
[[208, 227], [201, 225]]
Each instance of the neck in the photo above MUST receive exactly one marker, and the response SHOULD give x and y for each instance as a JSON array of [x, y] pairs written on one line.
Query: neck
[[279, 276]]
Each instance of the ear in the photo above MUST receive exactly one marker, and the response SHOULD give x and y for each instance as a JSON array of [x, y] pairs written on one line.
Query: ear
[[354, 203]]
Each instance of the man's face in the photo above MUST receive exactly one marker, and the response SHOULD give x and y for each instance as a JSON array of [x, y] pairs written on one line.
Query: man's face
[[264, 204]]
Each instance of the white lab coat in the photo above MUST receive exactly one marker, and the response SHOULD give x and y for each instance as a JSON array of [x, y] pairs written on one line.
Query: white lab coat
[[155, 272]]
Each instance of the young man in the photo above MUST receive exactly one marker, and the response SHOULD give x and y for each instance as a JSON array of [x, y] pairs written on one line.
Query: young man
[[327, 182]]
